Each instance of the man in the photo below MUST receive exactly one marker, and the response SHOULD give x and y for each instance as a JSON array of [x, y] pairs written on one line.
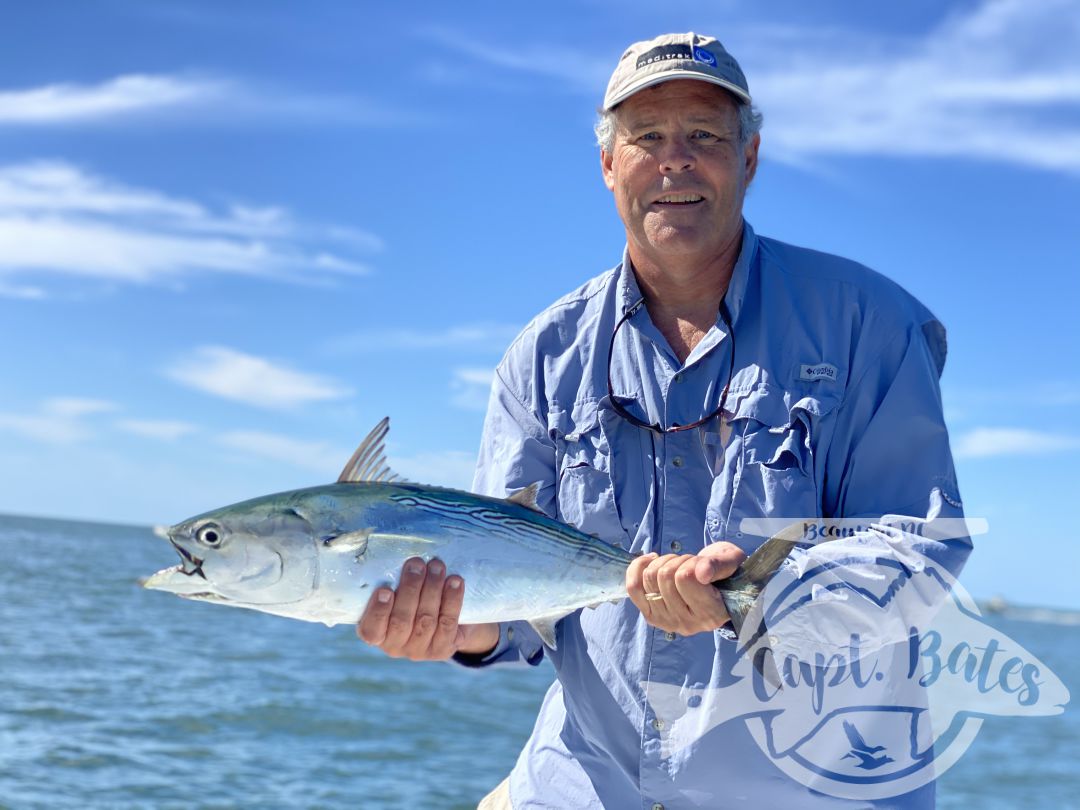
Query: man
[[710, 377]]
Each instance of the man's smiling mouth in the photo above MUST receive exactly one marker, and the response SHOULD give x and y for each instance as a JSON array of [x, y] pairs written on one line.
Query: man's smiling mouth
[[680, 199]]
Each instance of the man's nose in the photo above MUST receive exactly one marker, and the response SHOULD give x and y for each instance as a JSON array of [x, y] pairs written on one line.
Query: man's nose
[[677, 156]]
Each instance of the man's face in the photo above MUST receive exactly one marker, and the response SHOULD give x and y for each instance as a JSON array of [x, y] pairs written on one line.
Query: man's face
[[677, 171]]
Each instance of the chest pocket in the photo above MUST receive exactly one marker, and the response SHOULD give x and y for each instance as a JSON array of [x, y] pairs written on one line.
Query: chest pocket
[[585, 495], [768, 470]]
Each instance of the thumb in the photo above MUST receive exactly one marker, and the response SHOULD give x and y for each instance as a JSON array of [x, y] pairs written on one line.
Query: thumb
[[718, 561]]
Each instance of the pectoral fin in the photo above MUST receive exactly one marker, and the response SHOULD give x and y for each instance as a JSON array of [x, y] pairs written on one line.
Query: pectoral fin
[[545, 628], [355, 542]]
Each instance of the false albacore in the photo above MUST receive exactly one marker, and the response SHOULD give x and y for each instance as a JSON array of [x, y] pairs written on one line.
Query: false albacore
[[318, 554]]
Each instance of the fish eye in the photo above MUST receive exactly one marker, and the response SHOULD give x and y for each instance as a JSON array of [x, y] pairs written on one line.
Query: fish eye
[[209, 534]]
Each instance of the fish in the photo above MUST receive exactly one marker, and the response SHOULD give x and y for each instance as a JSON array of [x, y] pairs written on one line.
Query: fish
[[318, 554]]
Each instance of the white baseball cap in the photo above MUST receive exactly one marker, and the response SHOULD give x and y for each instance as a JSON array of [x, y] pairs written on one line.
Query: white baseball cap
[[675, 56]]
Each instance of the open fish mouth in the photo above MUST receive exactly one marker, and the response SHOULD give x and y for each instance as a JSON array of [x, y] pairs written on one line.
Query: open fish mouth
[[187, 558]]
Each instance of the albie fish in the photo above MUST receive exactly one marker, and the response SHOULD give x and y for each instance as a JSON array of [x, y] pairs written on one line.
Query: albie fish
[[318, 554]]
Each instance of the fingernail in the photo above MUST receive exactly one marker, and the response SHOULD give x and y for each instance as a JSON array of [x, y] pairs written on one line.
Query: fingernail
[[416, 568], [383, 596], [454, 584], [435, 568]]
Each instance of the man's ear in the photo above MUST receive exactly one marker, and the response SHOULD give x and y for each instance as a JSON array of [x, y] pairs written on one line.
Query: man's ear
[[750, 155], [605, 168]]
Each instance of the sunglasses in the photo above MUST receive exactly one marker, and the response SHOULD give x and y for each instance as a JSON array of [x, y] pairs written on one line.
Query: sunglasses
[[656, 427]]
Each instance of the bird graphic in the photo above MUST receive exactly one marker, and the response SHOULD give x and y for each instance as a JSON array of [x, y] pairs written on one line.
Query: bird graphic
[[863, 752]]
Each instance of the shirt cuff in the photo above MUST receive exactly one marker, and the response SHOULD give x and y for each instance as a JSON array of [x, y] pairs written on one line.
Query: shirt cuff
[[507, 650]]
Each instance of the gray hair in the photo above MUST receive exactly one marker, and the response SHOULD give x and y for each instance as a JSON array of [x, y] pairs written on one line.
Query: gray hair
[[750, 120]]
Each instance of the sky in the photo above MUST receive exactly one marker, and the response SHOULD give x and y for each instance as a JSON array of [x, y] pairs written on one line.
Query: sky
[[235, 236]]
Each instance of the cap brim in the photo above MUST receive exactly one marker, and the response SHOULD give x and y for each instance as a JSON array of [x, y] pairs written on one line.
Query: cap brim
[[668, 75]]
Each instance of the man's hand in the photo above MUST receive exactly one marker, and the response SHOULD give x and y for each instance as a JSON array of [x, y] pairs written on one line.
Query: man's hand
[[419, 621], [675, 592]]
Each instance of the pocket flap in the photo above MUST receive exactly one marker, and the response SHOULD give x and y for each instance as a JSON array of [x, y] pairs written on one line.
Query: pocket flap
[[571, 425], [777, 408]]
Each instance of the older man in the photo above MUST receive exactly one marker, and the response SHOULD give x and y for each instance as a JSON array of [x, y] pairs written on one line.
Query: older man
[[712, 376]]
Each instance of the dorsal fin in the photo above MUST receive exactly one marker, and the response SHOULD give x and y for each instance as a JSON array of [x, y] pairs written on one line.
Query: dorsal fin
[[526, 497], [368, 463]]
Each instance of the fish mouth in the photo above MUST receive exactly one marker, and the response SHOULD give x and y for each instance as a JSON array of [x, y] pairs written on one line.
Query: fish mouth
[[186, 558]]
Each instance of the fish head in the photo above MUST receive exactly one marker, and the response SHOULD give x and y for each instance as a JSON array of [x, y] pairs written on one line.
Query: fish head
[[249, 555]]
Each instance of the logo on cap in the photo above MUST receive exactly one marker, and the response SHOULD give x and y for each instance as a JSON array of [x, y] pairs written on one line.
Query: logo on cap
[[702, 55]]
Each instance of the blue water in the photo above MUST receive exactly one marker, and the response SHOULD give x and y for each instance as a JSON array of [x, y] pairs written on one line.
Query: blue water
[[113, 696]]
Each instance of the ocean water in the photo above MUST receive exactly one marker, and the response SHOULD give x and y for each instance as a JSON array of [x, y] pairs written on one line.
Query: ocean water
[[113, 696]]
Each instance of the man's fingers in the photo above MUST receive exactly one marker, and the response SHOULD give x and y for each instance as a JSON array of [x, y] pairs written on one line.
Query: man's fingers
[[427, 611], [372, 625], [406, 600], [444, 640], [635, 587], [673, 603]]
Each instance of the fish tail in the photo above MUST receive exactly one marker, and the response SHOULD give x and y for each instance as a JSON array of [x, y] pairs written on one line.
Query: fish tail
[[742, 589]]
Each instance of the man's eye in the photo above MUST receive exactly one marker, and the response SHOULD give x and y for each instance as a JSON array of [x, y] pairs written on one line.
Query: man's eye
[[702, 135], [650, 136]]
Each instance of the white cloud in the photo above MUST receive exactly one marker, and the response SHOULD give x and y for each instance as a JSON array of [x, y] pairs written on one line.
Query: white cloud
[[471, 387], [60, 420], [987, 442], [240, 377], [163, 429], [452, 468], [998, 82], [314, 455], [124, 95], [186, 99], [991, 84], [496, 336], [581, 70], [56, 218]]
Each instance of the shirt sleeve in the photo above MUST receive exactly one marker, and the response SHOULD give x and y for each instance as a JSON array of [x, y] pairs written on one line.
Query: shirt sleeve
[[889, 454], [890, 478], [515, 451]]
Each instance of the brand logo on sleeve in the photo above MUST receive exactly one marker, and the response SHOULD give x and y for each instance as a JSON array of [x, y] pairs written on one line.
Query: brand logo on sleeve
[[821, 371]]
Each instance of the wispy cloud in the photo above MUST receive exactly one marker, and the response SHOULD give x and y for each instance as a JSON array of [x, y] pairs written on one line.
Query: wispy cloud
[[56, 218], [121, 96], [184, 100], [997, 82], [1000, 83], [494, 336], [452, 468], [987, 442], [582, 71], [322, 457], [162, 429], [60, 420], [234, 375], [471, 387]]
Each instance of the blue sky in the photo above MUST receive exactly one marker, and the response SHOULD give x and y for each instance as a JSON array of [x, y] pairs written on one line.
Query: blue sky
[[234, 236]]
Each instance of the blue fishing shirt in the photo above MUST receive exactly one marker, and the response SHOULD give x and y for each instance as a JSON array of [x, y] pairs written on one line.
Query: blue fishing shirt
[[833, 411]]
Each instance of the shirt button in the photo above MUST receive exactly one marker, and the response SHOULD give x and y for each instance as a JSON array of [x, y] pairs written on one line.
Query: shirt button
[[509, 633], [657, 806], [669, 636], [678, 378], [676, 546], [658, 724], [677, 461]]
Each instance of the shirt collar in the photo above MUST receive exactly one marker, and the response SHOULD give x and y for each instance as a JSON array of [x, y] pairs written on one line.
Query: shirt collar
[[630, 292]]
